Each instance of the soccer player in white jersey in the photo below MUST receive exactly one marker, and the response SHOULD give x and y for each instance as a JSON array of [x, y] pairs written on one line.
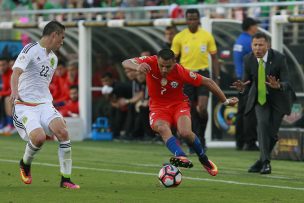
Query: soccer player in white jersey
[[34, 115]]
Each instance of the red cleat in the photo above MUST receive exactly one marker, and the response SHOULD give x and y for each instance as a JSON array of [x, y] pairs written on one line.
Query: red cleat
[[25, 172], [212, 171]]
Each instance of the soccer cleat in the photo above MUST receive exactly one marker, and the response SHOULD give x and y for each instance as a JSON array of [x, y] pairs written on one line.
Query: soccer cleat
[[67, 183], [181, 161], [212, 171], [25, 172]]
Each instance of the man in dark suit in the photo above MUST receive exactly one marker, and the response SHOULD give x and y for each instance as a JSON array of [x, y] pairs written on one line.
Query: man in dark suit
[[265, 81]]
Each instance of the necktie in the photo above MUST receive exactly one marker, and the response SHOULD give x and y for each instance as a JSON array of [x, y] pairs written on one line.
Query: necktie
[[261, 83]]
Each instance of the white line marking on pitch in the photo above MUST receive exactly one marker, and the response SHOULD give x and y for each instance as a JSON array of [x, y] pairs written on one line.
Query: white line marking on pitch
[[153, 174]]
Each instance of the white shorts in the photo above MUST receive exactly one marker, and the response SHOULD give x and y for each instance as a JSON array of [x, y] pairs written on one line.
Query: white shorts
[[28, 118]]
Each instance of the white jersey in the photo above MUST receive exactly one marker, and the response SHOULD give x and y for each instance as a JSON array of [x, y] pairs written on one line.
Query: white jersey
[[38, 69]]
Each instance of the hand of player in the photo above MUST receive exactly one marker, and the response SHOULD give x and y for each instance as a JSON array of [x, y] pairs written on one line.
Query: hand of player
[[239, 85], [233, 101], [13, 97], [273, 82], [143, 67]]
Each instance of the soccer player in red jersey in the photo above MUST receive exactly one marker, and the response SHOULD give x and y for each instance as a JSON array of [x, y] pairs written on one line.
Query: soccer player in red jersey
[[169, 106]]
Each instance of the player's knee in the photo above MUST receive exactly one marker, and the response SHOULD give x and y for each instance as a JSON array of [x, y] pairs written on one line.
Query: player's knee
[[62, 134], [38, 140], [184, 133], [161, 129]]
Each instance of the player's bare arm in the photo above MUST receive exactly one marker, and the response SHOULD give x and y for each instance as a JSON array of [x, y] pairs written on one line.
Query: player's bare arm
[[132, 64], [14, 84], [215, 89]]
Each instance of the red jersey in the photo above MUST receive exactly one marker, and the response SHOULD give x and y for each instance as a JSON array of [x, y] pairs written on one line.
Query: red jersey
[[69, 107], [166, 92], [6, 78]]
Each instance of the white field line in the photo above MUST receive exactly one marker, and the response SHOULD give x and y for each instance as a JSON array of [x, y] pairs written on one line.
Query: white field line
[[153, 174], [231, 171]]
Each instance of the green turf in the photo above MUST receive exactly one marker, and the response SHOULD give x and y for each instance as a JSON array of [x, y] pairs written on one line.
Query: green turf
[[127, 172]]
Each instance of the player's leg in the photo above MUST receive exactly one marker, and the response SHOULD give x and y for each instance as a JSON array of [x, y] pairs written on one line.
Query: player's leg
[[184, 129], [36, 139], [59, 128], [202, 104], [160, 123], [26, 121], [201, 108]]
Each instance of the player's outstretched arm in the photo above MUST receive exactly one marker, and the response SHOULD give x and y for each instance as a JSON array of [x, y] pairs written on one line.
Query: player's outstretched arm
[[132, 65], [216, 90]]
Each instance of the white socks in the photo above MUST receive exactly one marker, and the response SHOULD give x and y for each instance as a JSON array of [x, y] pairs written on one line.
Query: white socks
[[65, 158], [30, 151]]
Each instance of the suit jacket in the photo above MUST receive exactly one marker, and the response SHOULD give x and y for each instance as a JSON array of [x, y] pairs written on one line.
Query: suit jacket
[[279, 99]]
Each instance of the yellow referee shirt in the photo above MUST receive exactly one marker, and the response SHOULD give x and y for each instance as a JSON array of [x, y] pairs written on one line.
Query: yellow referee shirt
[[194, 48]]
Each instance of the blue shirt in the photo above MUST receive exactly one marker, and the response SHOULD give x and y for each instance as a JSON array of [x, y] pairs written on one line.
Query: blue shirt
[[241, 47]]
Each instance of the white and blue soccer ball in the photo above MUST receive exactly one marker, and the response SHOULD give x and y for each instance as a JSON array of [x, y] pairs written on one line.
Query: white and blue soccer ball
[[170, 176]]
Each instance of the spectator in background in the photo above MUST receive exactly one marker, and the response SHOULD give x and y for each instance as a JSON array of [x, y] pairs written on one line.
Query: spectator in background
[[193, 45], [58, 81], [6, 107], [115, 91], [71, 107], [70, 79], [142, 124], [170, 32], [136, 126], [246, 135]]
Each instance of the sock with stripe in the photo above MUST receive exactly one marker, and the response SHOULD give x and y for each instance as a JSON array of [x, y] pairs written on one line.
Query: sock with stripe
[[65, 158], [174, 147], [30, 151]]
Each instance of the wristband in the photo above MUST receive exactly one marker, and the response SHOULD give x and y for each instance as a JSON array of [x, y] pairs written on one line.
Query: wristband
[[226, 102]]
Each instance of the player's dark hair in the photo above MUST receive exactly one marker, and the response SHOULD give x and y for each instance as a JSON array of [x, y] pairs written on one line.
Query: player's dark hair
[[260, 35], [166, 54], [53, 26], [192, 11]]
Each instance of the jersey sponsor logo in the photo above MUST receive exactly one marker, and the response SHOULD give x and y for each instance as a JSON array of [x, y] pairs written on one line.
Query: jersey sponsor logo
[[192, 75], [163, 82], [183, 110], [174, 84], [38, 58]]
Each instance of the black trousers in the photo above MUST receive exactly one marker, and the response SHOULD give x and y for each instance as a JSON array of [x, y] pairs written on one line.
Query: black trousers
[[246, 132]]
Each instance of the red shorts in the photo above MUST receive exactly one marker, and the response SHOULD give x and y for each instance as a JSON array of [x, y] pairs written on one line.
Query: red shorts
[[169, 114]]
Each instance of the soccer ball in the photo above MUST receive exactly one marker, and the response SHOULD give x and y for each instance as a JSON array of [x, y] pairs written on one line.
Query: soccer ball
[[170, 176]]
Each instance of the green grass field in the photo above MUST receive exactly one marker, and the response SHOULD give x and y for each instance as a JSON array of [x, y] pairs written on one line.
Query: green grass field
[[127, 172]]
